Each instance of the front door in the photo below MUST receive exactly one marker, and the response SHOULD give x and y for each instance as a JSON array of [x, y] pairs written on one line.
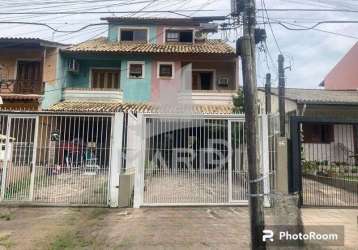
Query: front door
[[28, 77], [18, 166]]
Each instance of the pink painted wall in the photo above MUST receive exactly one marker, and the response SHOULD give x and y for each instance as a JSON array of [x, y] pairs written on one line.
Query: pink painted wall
[[344, 76], [165, 90], [160, 34]]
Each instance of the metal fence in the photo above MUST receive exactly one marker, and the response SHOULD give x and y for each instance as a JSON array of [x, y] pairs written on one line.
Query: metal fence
[[325, 153], [55, 159]]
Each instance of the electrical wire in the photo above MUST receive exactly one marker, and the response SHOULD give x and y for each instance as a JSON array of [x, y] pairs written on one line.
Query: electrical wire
[[271, 29]]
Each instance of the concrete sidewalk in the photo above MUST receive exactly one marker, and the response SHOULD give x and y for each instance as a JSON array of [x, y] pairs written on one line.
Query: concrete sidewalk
[[147, 228]]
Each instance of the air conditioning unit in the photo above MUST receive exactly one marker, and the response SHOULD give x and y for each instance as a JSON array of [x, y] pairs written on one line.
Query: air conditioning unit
[[223, 81], [199, 36], [73, 66]]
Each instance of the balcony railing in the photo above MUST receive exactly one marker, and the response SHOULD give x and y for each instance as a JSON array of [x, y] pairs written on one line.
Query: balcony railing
[[93, 94], [21, 87], [210, 97]]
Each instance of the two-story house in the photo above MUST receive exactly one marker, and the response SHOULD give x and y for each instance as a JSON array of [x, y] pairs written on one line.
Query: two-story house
[[27, 67], [151, 61]]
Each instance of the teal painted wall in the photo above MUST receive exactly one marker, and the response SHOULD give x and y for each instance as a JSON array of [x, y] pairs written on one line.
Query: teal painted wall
[[114, 28], [134, 90], [82, 78]]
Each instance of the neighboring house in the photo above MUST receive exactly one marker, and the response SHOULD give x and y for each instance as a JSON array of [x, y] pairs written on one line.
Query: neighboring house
[[339, 140], [28, 66], [344, 76], [150, 61]]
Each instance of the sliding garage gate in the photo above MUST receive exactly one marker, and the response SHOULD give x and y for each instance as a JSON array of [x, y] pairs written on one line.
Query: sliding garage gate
[[55, 159], [198, 160]]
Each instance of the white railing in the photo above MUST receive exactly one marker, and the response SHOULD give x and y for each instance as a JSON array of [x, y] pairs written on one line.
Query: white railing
[[88, 94], [208, 97]]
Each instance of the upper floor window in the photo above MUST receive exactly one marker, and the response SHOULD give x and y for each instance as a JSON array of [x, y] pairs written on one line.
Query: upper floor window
[[105, 78], [140, 35], [135, 70], [165, 70], [183, 36]]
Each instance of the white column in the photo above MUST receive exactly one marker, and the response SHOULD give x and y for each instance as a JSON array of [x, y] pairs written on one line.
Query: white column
[[265, 158], [139, 173], [116, 158]]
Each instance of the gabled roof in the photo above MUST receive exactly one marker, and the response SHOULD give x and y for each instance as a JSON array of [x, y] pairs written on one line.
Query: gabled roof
[[30, 41], [319, 96], [344, 75], [82, 106], [215, 47]]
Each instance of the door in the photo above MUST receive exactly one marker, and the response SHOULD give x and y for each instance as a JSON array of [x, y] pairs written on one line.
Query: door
[[105, 79], [18, 170], [28, 77], [238, 170]]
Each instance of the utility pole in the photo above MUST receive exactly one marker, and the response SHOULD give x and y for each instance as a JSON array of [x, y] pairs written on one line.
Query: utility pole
[[247, 52], [281, 94], [268, 93]]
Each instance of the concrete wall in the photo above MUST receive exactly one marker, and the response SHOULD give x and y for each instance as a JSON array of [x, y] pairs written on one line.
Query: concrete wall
[[134, 90], [54, 78], [289, 105]]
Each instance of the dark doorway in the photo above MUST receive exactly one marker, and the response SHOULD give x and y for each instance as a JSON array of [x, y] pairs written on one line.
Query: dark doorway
[[206, 80]]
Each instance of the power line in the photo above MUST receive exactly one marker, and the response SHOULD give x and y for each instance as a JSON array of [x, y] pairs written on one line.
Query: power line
[[308, 10], [305, 28], [271, 29], [99, 12]]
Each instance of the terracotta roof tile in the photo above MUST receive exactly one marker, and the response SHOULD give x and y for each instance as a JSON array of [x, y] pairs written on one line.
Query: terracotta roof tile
[[79, 106], [103, 45]]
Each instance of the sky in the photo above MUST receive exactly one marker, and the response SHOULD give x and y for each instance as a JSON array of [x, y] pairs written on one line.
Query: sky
[[311, 54]]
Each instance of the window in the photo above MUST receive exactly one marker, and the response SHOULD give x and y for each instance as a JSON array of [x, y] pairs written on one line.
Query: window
[[134, 35], [165, 70], [105, 78], [318, 133], [183, 36], [135, 70]]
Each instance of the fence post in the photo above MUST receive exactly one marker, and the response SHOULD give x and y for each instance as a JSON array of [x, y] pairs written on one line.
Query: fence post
[[34, 156], [116, 156], [265, 158], [6, 160], [139, 171]]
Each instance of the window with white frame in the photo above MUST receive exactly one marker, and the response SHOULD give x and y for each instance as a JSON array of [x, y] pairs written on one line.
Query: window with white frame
[[183, 36], [139, 35], [165, 70], [135, 70]]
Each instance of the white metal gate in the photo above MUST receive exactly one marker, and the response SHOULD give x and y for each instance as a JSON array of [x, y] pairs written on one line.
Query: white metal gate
[[57, 159], [188, 161], [200, 160]]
